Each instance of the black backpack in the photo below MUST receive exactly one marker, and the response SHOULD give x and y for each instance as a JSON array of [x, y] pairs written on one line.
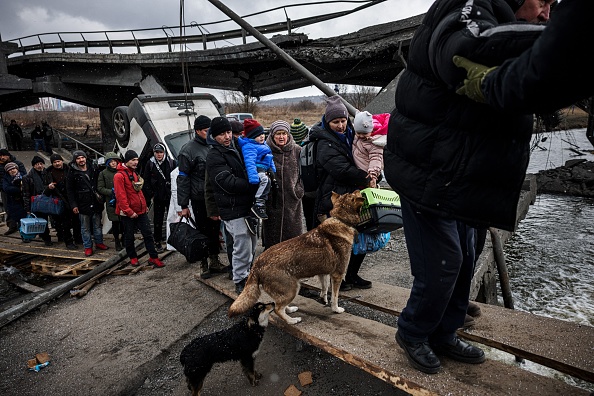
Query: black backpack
[[307, 162]]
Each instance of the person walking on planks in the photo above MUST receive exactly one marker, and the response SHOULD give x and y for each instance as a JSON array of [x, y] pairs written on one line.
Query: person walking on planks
[[456, 165]]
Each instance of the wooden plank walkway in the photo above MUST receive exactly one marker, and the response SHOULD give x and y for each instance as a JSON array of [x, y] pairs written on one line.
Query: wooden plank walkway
[[370, 345]]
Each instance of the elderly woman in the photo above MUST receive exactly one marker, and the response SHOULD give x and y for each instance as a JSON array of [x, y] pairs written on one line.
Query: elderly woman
[[285, 213]]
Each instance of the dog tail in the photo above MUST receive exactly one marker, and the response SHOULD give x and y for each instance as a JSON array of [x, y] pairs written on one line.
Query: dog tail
[[248, 297]]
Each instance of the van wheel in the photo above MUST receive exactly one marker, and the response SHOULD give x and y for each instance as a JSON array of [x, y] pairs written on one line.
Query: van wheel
[[121, 125]]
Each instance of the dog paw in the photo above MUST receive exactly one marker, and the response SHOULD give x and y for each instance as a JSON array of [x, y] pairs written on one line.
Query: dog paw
[[294, 320], [291, 309], [338, 310]]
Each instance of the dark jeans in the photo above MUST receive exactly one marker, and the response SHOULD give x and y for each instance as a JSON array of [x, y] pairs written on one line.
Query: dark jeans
[[159, 210], [143, 224], [441, 253], [16, 142], [209, 227]]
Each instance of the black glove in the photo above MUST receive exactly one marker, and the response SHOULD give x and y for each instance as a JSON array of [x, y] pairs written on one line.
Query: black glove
[[475, 74]]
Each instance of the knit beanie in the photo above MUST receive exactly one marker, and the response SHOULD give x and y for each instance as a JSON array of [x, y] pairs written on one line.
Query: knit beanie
[[130, 155], [335, 109], [252, 128], [37, 159], [10, 165], [219, 125], [298, 130], [202, 122], [4, 152], [236, 127], [56, 157], [78, 153], [363, 122], [279, 125]]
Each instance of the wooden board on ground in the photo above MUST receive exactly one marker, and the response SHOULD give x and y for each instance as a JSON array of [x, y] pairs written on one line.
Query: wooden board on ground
[[59, 267], [370, 346], [504, 329]]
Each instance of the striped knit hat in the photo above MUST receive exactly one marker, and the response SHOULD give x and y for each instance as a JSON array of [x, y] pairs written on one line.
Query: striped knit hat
[[298, 130]]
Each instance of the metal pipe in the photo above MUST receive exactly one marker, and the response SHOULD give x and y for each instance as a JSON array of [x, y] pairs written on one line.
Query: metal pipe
[[508, 301], [282, 54]]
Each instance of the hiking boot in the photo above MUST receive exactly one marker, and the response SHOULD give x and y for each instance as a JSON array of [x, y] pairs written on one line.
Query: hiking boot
[[101, 246], [156, 262], [359, 282], [159, 247], [260, 212], [88, 252], [345, 286], [204, 271], [239, 286], [252, 224], [419, 355], [71, 246], [468, 322], [461, 351], [118, 245], [215, 266], [473, 309], [134, 261], [10, 231]]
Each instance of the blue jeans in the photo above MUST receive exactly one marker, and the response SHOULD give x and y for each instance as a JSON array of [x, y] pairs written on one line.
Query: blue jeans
[[88, 224], [39, 144], [441, 253]]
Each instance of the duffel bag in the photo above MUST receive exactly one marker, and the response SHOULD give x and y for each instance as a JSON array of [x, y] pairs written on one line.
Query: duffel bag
[[48, 205], [187, 240]]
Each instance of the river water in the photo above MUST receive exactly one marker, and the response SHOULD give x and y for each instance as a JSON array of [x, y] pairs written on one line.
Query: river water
[[550, 257]]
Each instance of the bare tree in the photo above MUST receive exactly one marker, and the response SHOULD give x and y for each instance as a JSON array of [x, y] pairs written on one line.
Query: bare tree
[[360, 95], [237, 102]]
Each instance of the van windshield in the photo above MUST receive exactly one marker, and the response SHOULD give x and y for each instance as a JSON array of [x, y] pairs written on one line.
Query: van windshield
[[175, 141]]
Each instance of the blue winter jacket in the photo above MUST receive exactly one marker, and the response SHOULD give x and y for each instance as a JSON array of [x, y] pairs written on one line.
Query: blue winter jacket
[[256, 156]]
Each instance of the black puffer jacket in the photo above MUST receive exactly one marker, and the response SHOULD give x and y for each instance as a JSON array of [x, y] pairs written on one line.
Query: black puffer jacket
[[82, 189], [446, 154], [335, 167], [192, 165], [228, 177]]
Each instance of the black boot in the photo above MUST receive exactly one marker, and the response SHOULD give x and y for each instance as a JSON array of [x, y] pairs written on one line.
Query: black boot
[[118, 242], [352, 276]]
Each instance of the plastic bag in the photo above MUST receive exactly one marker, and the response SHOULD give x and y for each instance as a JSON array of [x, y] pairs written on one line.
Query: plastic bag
[[369, 243]]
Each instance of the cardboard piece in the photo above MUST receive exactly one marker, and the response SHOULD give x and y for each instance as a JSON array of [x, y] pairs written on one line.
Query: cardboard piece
[[305, 378]]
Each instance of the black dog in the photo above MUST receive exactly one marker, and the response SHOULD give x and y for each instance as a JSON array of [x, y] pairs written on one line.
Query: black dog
[[239, 342]]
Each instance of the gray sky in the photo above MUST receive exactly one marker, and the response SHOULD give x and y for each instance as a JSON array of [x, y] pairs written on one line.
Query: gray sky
[[19, 18]]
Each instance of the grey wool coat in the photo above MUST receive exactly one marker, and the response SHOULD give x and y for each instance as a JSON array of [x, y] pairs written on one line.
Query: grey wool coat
[[286, 221]]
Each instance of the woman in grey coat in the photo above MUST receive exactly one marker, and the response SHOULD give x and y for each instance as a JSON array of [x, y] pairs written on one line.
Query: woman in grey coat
[[285, 219]]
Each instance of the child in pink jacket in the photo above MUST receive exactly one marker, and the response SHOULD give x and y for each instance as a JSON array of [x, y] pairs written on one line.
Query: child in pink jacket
[[367, 155]]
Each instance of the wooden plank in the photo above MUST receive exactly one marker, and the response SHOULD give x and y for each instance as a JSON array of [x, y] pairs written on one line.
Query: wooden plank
[[24, 285], [74, 267], [17, 311], [504, 329], [53, 251], [370, 346]]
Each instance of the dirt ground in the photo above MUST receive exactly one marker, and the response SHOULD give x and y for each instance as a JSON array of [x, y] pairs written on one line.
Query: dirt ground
[[125, 337]]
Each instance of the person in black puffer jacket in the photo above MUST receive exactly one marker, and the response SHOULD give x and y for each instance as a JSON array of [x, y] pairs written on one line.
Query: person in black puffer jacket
[[157, 187], [455, 163]]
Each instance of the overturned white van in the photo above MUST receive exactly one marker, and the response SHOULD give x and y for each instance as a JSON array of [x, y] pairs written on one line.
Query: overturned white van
[[164, 118]]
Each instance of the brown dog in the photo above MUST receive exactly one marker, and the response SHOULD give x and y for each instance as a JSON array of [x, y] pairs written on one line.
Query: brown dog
[[323, 251]]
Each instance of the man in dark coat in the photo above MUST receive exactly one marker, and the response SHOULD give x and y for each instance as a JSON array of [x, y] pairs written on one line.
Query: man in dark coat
[[16, 135], [33, 185], [55, 180], [456, 164], [190, 188], [234, 196], [157, 186], [81, 185]]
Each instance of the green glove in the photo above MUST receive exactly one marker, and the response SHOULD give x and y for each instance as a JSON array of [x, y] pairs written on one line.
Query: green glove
[[476, 73]]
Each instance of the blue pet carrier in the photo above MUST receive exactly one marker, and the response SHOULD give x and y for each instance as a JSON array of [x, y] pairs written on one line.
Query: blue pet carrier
[[31, 226]]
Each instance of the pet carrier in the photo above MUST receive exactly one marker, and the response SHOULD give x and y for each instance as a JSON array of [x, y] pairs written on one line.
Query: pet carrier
[[31, 226], [381, 211]]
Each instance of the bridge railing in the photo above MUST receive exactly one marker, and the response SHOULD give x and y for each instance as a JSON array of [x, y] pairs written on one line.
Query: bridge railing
[[164, 38], [77, 143]]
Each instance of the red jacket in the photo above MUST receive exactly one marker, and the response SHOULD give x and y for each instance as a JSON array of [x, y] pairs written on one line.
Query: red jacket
[[128, 200]]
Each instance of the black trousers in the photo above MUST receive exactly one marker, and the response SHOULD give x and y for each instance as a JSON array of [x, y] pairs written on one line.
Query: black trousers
[[209, 227], [143, 224], [63, 224], [16, 142], [159, 210]]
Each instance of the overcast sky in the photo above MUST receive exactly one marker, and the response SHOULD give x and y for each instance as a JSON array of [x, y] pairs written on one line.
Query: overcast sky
[[20, 18]]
